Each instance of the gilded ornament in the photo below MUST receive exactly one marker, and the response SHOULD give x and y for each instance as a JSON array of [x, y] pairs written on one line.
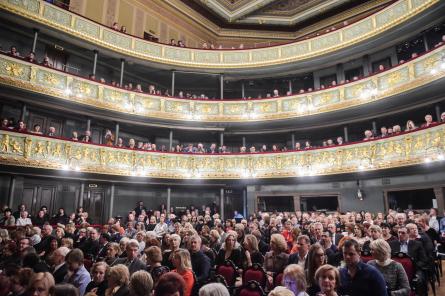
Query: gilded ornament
[[14, 69], [51, 79], [5, 143]]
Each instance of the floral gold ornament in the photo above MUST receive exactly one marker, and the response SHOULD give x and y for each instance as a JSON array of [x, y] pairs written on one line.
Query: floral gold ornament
[[77, 26], [13, 69], [406, 149]]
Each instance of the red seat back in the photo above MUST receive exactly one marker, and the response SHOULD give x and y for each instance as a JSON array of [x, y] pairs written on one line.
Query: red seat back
[[408, 265], [228, 271], [278, 280], [365, 259], [252, 288], [255, 273]]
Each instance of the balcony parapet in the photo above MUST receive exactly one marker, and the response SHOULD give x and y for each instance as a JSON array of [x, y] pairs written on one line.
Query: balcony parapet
[[418, 72], [85, 29], [406, 149]]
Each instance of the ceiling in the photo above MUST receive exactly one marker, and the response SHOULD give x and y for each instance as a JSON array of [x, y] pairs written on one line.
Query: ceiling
[[285, 13]]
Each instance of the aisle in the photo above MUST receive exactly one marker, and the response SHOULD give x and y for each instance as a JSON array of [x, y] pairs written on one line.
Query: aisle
[[440, 291]]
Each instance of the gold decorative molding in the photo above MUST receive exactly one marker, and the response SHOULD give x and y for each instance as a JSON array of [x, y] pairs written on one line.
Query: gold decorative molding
[[413, 148], [77, 26], [413, 74]]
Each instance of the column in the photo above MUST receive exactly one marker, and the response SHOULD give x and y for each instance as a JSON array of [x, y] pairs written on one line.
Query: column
[[221, 86], [244, 141], [245, 203], [221, 203], [82, 192], [116, 133], [366, 66], [11, 192], [243, 91], [221, 139], [293, 141], [88, 124], [340, 73], [290, 86], [394, 60], [437, 109], [173, 83], [345, 134], [95, 61], [23, 112], [439, 194], [425, 42], [170, 141], [169, 193], [34, 42], [374, 127], [121, 80], [111, 201]]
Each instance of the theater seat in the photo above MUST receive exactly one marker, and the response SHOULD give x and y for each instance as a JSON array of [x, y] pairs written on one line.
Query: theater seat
[[228, 271], [252, 288], [255, 273]]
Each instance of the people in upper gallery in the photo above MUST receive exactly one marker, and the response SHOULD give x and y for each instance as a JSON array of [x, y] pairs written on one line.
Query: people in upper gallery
[[74, 136], [123, 29], [428, 121], [87, 137], [13, 52], [410, 126], [368, 135], [276, 93], [173, 42], [46, 62], [115, 26], [31, 57], [37, 129], [442, 117], [21, 126], [131, 144], [52, 131], [339, 141]]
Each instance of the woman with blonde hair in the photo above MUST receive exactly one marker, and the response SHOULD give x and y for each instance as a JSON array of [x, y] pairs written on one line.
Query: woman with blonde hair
[[99, 283], [392, 271], [229, 251], [328, 279], [153, 256], [118, 280], [276, 259], [141, 283], [40, 284], [183, 266], [294, 279], [251, 253], [281, 291]]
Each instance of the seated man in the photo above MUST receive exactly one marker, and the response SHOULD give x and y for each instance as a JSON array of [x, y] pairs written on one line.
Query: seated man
[[131, 261]]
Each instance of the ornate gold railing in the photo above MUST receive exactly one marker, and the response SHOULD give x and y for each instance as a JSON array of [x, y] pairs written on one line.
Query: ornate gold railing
[[419, 72], [425, 145], [100, 35]]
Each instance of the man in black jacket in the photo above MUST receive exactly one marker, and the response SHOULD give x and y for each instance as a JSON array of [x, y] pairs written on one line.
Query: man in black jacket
[[59, 268], [301, 257], [91, 246], [200, 262]]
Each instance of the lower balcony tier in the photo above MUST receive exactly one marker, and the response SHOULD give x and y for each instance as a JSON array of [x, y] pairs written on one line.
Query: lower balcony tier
[[425, 145]]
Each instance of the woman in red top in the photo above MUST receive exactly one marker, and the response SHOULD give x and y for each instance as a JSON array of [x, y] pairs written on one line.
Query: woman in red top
[[183, 266], [287, 233]]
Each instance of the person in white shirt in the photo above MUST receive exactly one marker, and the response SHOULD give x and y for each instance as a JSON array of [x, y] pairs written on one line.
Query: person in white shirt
[[433, 222], [161, 228], [23, 220]]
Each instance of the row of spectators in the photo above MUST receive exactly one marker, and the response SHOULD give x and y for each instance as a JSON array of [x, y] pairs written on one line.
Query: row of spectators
[[31, 57], [109, 139], [312, 253]]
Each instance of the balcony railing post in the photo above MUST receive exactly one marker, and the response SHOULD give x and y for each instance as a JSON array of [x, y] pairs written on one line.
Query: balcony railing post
[[221, 139], [23, 112], [345, 133], [221, 86], [290, 86], [293, 141], [374, 127], [244, 202], [88, 124], [34, 43], [116, 133], [121, 81], [11, 192], [221, 203], [95, 61], [111, 200], [437, 109], [173, 83], [244, 141], [243, 91], [170, 140]]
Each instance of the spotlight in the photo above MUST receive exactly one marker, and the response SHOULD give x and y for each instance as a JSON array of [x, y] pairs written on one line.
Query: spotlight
[[77, 168], [433, 71], [441, 157], [65, 167], [67, 91], [427, 160]]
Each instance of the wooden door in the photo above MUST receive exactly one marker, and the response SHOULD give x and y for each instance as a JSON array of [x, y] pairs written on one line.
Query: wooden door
[[93, 203], [36, 196]]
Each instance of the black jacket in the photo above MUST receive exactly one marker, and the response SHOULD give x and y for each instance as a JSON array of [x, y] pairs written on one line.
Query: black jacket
[[201, 266], [60, 274], [415, 251]]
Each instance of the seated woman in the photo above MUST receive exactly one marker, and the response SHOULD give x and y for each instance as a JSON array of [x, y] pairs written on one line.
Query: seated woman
[[112, 253], [295, 280], [118, 280], [154, 267], [328, 279], [229, 251], [276, 259], [99, 282], [251, 253], [316, 258], [169, 284], [392, 271], [40, 284], [183, 266], [141, 283]]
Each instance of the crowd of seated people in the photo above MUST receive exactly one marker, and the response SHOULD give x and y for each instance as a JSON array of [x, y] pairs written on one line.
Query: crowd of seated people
[[31, 57], [213, 148], [305, 253]]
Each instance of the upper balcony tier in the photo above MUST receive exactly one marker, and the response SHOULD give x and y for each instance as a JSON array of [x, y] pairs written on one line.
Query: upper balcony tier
[[417, 81], [375, 31], [425, 145]]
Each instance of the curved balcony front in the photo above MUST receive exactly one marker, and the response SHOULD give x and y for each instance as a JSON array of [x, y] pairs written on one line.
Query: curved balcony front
[[402, 13], [406, 149], [420, 74]]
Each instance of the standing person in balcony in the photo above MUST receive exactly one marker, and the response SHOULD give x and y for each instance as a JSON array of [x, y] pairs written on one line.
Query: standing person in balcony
[[52, 131], [428, 121], [87, 137]]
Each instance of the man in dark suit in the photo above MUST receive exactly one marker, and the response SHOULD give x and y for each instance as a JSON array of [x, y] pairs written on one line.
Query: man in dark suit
[[131, 261], [335, 237], [91, 245], [104, 239], [59, 268], [139, 208], [301, 257], [87, 137], [200, 262]]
